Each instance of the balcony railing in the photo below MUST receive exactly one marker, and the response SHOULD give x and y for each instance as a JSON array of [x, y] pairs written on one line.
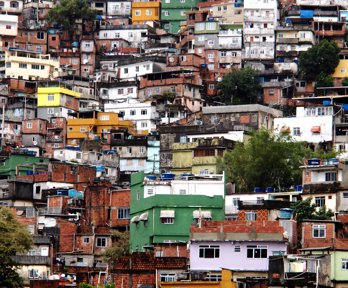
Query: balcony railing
[[264, 204], [31, 260]]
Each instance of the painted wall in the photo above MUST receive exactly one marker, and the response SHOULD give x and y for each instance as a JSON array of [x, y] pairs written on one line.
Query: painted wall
[[235, 260]]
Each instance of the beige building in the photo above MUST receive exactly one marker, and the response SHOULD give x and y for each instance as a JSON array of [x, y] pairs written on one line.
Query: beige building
[[28, 65]]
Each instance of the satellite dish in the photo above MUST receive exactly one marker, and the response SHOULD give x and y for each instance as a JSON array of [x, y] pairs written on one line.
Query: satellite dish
[[171, 59], [19, 212], [35, 143]]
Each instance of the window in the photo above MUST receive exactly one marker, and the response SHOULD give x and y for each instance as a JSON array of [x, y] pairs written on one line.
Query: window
[[345, 195], [209, 251], [86, 240], [136, 68], [33, 274], [167, 220], [40, 35], [137, 12], [99, 5], [254, 251], [210, 25], [211, 86], [2, 3], [235, 201], [125, 70], [35, 67], [259, 200], [210, 42], [330, 176], [166, 13], [166, 277], [296, 131], [250, 216], [223, 53], [14, 4], [143, 112], [120, 91], [210, 56], [319, 201], [343, 70], [123, 213], [345, 264], [143, 125], [130, 90], [29, 125], [8, 27], [42, 67], [105, 117], [23, 65], [237, 248], [271, 91], [129, 149], [50, 111], [50, 97], [132, 112], [319, 231], [148, 12], [101, 242], [83, 129]]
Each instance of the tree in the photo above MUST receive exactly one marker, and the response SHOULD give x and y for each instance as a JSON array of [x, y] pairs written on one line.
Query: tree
[[240, 87], [320, 58], [14, 238], [67, 12], [345, 81], [120, 245], [266, 160], [323, 80]]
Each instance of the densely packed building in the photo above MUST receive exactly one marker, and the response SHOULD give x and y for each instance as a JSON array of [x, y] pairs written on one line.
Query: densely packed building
[[118, 127]]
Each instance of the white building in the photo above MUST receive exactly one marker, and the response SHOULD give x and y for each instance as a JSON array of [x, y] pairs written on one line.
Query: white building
[[143, 114], [214, 185], [260, 20], [135, 34], [312, 124]]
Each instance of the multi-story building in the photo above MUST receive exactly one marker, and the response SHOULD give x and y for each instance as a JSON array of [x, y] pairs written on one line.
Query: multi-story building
[[146, 12], [173, 13], [29, 65], [8, 33], [56, 101], [162, 211], [34, 134], [260, 20], [95, 125]]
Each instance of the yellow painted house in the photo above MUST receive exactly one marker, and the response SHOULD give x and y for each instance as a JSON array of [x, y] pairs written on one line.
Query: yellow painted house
[[341, 70], [54, 96], [226, 282], [93, 124], [146, 12]]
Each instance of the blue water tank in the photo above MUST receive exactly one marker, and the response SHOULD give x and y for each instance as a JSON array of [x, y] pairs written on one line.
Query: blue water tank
[[298, 188], [345, 107], [151, 177], [313, 161], [285, 213], [167, 176], [326, 102], [270, 189], [257, 189]]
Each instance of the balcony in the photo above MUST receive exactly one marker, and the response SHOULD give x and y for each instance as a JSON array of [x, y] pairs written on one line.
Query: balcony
[[287, 40], [55, 139], [330, 187], [31, 260], [258, 31], [263, 204], [56, 126], [287, 53]]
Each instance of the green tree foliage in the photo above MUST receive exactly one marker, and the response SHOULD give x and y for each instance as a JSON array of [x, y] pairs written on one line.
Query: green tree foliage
[[14, 238], [321, 58], [345, 81], [266, 160], [120, 245], [324, 81], [240, 87], [307, 210], [67, 12], [85, 285]]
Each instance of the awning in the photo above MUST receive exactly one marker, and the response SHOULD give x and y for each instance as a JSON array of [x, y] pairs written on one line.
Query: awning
[[167, 214], [315, 129], [135, 219], [202, 214], [144, 216]]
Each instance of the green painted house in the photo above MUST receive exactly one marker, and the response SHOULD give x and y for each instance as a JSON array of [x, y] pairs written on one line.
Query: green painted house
[[173, 13], [9, 164], [163, 211]]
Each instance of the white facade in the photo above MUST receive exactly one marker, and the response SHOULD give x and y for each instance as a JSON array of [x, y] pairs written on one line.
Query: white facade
[[231, 39], [238, 136], [143, 114], [260, 21], [123, 8], [231, 201], [135, 36], [312, 125], [135, 69], [119, 94], [8, 25], [11, 6], [186, 187]]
